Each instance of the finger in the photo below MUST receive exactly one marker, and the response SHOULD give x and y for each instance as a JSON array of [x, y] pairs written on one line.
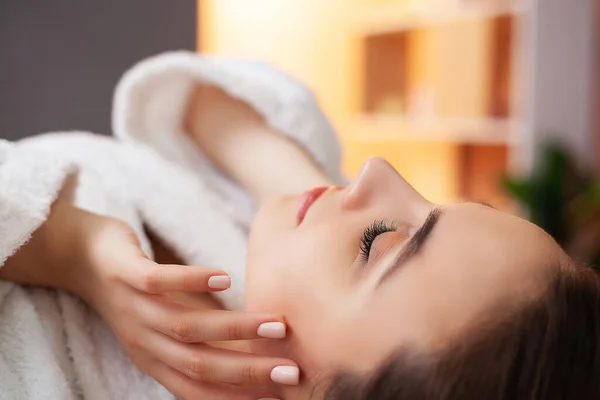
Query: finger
[[150, 277], [204, 363], [186, 388], [191, 326]]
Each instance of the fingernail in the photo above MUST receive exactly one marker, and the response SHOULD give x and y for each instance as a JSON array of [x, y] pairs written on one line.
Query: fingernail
[[270, 398], [272, 330], [219, 282], [285, 375]]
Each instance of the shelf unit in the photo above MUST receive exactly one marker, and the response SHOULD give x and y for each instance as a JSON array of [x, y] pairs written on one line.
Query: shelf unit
[[445, 73], [536, 87]]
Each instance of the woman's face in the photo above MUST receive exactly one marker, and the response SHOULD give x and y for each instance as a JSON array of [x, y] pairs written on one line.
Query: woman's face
[[374, 266]]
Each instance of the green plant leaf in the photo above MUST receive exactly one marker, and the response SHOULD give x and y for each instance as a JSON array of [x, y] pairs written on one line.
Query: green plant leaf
[[521, 189]]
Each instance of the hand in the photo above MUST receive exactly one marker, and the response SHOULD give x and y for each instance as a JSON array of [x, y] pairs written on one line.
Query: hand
[[100, 260], [166, 338]]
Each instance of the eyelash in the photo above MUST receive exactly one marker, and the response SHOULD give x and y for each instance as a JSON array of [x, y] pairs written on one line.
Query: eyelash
[[370, 234]]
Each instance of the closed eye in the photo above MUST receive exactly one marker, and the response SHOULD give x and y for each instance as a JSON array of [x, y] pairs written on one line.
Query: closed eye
[[371, 233]]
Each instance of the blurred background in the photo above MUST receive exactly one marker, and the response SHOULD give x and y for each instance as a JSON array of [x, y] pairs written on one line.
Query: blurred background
[[456, 94]]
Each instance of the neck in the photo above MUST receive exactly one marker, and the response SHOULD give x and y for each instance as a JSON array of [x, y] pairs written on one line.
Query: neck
[[267, 164]]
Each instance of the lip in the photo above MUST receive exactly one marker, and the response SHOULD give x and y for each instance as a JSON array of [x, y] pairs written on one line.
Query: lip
[[307, 199]]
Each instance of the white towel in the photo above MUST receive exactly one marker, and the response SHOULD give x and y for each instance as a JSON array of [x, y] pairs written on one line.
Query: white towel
[[51, 345]]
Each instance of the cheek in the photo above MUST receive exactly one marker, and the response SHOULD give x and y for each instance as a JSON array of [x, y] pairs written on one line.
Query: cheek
[[288, 270]]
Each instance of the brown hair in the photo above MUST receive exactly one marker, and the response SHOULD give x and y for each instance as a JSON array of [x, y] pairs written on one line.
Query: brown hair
[[547, 349]]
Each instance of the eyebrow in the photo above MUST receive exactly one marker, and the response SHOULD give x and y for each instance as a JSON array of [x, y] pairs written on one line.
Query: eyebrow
[[485, 203], [415, 244]]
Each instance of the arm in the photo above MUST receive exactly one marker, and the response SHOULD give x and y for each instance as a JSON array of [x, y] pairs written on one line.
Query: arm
[[50, 256], [240, 142]]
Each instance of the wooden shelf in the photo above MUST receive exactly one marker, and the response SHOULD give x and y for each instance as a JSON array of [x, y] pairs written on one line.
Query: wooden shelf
[[482, 131], [370, 19]]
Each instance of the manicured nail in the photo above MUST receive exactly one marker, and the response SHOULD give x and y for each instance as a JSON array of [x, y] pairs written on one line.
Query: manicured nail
[[219, 282], [272, 330], [285, 375]]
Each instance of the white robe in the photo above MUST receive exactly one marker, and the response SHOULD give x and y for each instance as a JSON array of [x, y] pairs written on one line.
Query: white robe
[[52, 346]]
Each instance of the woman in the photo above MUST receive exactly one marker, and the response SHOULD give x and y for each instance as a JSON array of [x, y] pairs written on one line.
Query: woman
[[384, 294]]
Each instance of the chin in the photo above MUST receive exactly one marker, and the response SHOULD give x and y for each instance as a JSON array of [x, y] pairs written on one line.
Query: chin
[[273, 230], [258, 295]]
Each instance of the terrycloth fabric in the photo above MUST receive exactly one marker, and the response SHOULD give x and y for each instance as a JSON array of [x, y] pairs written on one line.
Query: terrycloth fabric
[[51, 345]]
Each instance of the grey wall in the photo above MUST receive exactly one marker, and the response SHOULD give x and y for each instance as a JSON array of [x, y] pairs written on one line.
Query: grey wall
[[60, 59], [563, 70]]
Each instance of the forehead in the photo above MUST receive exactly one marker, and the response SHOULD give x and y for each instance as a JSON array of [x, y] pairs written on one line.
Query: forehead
[[479, 258], [501, 244], [476, 260]]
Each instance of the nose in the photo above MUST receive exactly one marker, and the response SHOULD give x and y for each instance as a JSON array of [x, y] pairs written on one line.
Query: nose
[[379, 181]]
